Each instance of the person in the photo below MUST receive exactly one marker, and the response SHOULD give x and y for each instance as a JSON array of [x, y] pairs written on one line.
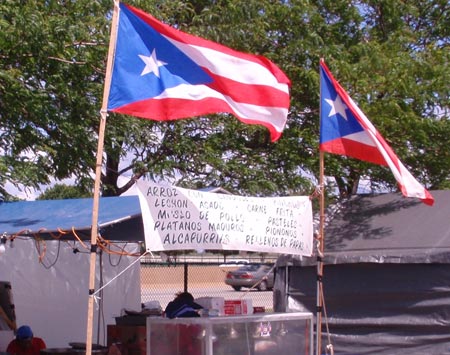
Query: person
[[187, 339], [182, 306], [25, 343]]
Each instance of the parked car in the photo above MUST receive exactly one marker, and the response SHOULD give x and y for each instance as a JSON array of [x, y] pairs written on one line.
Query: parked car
[[261, 276], [232, 265]]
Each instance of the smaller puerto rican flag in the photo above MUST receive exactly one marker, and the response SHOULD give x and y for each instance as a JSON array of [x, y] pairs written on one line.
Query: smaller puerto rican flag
[[345, 130]]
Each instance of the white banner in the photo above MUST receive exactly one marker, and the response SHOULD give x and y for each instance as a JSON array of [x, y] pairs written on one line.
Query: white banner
[[182, 219]]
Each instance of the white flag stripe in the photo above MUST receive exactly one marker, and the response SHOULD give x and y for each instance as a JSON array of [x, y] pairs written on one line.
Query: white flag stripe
[[361, 137], [249, 72], [276, 116]]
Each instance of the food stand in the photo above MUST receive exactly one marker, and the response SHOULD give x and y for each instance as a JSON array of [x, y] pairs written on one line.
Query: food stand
[[262, 334], [181, 219]]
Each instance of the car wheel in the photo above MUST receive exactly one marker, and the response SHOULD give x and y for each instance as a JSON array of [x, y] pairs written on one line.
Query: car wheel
[[237, 288], [262, 286]]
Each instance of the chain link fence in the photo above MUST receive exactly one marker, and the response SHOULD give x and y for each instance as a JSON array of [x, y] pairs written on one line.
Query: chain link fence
[[201, 275]]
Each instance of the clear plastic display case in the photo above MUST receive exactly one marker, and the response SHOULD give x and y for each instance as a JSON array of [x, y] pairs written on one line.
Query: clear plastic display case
[[258, 334]]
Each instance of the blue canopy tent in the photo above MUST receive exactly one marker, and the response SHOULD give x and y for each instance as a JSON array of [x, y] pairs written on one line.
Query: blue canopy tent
[[57, 272], [119, 218]]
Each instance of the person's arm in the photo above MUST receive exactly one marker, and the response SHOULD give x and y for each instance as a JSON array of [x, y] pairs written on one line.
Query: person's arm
[[11, 323], [12, 348], [40, 343]]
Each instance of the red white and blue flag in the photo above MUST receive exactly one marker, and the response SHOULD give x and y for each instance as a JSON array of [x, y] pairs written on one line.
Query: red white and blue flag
[[161, 73], [345, 130]]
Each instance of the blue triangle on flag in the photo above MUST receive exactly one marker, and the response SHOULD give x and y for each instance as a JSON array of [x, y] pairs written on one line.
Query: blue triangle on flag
[[133, 80]]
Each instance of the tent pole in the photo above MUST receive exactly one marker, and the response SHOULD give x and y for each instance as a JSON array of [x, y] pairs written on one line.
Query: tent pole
[[320, 239], [286, 288], [98, 172], [185, 277]]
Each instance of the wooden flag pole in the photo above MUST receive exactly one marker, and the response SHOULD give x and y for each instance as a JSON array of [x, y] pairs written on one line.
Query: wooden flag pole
[[320, 249], [98, 172], [320, 246]]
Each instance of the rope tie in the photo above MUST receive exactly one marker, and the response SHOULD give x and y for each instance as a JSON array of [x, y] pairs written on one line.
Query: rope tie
[[119, 274]]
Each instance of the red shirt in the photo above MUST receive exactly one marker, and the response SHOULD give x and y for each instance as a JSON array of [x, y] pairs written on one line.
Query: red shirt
[[27, 347]]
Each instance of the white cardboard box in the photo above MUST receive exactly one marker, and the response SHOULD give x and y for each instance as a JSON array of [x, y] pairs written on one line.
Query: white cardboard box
[[212, 303], [238, 307]]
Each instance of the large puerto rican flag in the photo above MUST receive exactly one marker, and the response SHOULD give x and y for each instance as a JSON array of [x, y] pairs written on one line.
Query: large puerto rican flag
[[161, 73], [345, 130]]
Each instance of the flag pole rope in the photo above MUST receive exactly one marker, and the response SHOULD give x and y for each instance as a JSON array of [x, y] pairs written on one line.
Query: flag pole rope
[[320, 248], [119, 274], [329, 346]]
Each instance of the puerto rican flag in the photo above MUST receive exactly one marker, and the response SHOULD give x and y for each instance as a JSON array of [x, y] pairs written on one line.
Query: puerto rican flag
[[345, 130], [161, 73]]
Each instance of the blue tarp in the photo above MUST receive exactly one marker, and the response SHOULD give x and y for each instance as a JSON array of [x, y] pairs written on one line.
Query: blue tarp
[[44, 216]]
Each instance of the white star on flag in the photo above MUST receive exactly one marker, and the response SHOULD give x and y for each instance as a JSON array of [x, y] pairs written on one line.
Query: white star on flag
[[337, 107], [152, 64]]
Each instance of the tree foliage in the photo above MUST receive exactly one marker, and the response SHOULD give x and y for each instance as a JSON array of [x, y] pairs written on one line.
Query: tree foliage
[[391, 57], [63, 192], [51, 76]]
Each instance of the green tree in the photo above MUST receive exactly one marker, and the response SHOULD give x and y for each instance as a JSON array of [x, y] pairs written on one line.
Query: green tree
[[51, 75], [391, 57], [62, 192]]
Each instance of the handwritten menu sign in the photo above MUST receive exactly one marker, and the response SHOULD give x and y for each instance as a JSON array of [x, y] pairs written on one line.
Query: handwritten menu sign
[[182, 219]]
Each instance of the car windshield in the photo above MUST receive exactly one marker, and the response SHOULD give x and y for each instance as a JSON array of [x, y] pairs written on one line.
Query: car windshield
[[251, 267]]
